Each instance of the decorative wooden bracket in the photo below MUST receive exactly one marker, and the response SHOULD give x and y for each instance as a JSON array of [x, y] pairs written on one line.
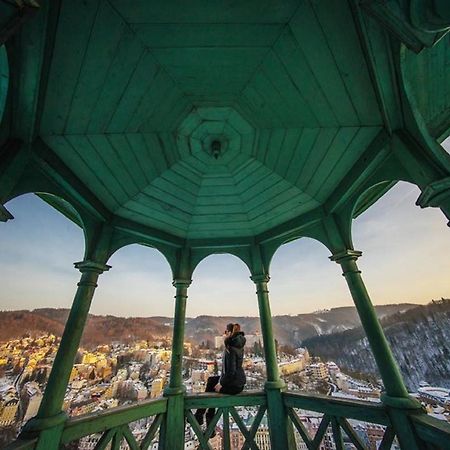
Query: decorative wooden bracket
[[24, 10], [421, 24]]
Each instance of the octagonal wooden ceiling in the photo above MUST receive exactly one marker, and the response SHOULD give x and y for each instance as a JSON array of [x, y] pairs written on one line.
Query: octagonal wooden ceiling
[[137, 91]]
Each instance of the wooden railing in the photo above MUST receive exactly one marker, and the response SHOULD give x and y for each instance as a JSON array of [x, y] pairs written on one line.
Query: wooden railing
[[335, 414], [433, 432], [25, 444], [112, 426], [226, 407], [335, 421]]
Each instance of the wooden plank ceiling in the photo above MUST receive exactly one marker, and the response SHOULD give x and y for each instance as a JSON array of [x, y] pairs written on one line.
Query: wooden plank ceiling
[[429, 76], [137, 91], [4, 77]]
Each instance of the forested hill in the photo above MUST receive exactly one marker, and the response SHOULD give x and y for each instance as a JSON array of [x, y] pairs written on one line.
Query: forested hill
[[98, 330], [290, 330], [419, 337]]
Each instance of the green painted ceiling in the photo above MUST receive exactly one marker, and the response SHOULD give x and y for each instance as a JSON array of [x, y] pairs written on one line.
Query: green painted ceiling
[[136, 95], [430, 79], [4, 77]]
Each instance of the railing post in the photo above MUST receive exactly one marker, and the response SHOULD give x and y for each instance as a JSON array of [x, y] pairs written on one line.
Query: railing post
[[49, 421], [173, 429], [396, 397], [281, 432]]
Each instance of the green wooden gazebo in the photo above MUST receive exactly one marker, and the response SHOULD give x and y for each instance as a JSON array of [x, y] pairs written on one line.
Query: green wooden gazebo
[[215, 126]]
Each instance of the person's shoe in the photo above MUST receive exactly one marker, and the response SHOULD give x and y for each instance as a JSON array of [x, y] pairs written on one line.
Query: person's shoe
[[199, 417]]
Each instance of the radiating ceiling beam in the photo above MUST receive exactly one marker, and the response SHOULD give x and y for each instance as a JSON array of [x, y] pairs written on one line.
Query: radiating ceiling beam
[[292, 228], [375, 153], [55, 168], [146, 233]]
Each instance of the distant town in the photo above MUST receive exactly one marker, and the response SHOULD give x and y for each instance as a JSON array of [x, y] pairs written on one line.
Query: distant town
[[115, 374]]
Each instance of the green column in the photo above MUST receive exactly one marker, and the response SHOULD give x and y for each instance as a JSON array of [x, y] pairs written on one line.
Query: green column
[[173, 428], [396, 397], [281, 432], [50, 417], [389, 370], [265, 318], [181, 286]]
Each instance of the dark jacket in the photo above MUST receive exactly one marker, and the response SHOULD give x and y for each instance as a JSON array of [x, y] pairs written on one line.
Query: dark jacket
[[233, 374]]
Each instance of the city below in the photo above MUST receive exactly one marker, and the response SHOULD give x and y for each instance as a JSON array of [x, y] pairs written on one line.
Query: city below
[[116, 373]]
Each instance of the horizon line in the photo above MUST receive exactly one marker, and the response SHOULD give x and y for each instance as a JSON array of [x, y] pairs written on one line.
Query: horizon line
[[323, 310]]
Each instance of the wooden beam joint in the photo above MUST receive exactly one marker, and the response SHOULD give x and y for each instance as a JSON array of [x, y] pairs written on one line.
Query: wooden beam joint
[[25, 11], [434, 193], [420, 25]]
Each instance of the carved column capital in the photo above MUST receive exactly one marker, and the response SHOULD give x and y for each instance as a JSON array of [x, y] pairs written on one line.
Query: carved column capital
[[91, 266], [347, 260], [90, 271], [345, 255], [260, 278], [181, 282]]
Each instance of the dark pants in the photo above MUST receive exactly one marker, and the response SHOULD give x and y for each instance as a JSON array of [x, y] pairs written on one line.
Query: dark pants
[[210, 384]]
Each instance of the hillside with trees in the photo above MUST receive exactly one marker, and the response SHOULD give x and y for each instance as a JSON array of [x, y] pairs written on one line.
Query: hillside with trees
[[419, 337], [289, 329]]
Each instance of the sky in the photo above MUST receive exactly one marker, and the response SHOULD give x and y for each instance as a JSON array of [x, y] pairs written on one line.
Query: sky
[[405, 259]]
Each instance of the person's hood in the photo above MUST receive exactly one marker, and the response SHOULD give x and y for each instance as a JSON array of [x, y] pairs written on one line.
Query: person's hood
[[237, 341]]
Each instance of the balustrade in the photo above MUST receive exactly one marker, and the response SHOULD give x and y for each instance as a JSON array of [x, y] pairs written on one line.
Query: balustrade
[[112, 426], [226, 409], [337, 421]]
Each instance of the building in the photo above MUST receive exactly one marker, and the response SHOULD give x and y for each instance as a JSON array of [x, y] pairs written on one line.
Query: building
[[435, 396], [312, 422], [300, 444], [157, 388], [216, 442], [319, 371], [292, 366], [206, 364], [89, 358], [141, 391], [375, 435], [262, 436], [364, 392], [252, 339], [32, 400], [199, 375], [218, 341], [8, 410], [236, 438], [88, 442], [341, 381], [333, 368]]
